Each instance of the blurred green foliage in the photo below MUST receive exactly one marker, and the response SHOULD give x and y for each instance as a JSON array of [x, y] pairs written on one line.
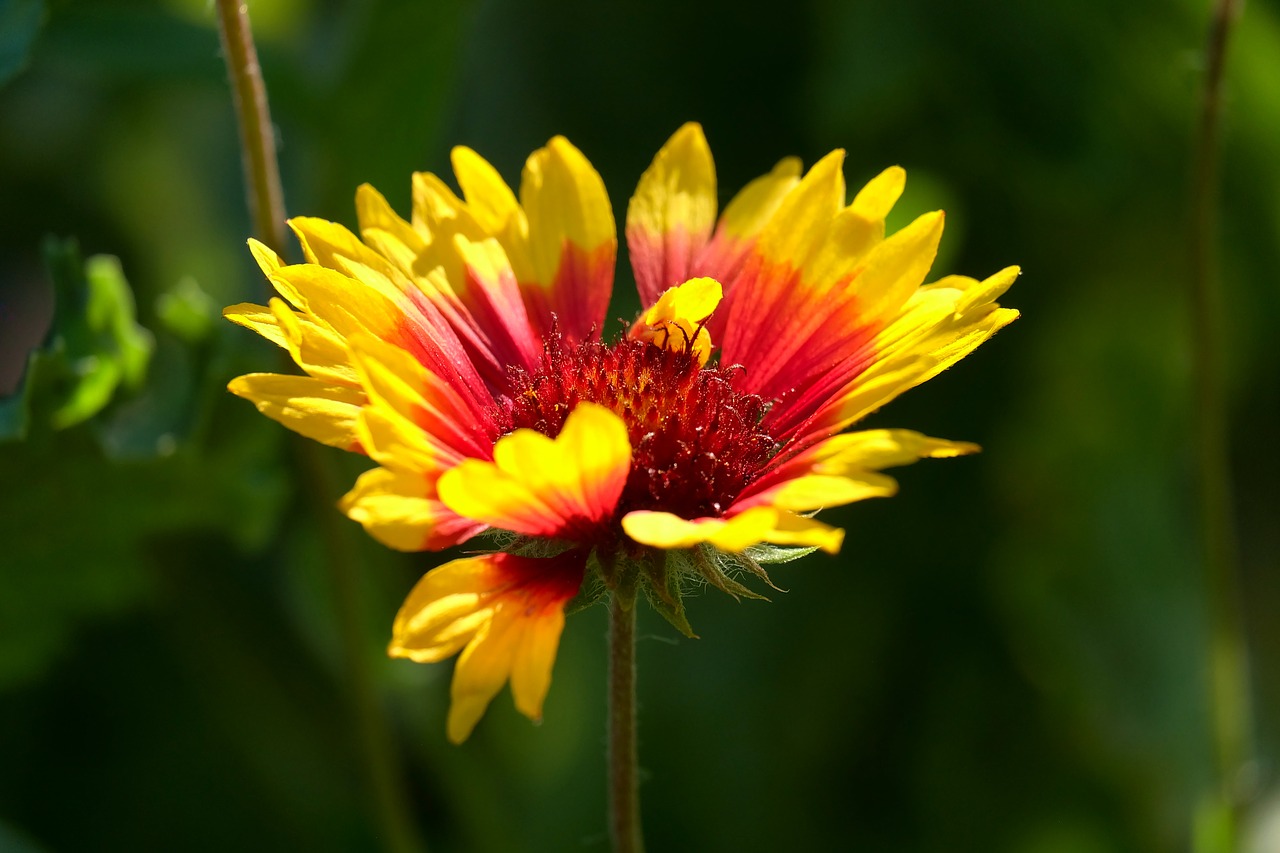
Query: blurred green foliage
[[93, 346], [20, 22], [1008, 656]]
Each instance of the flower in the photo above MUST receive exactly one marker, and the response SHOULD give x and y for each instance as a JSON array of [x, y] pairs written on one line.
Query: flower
[[462, 352]]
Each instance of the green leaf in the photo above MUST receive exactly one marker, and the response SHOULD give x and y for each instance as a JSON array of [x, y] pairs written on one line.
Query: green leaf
[[94, 346], [187, 311], [20, 22], [112, 312]]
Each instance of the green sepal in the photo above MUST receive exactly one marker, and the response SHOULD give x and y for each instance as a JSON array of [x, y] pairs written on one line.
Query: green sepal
[[591, 593], [534, 547], [663, 588], [744, 562], [773, 555], [710, 563]]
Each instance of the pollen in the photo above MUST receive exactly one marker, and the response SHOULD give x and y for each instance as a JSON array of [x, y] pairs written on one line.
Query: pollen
[[696, 441]]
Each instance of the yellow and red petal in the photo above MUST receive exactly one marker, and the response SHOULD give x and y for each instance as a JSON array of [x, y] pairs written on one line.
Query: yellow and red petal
[[736, 533], [317, 350], [505, 613], [940, 324], [487, 287], [373, 307], [844, 469], [462, 269], [396, 382], [741, 223], [572, 241], [562, 488], [434, 319], [770, 280], [400, 510], [838, 471], [319, 410], [670, 217], [676, 321], [809, 318], [833, 338]]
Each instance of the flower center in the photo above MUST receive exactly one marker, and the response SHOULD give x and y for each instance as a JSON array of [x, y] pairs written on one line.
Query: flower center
[[695, 441]]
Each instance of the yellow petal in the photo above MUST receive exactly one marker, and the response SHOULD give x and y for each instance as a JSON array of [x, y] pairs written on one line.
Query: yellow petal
[[875, 449], [396, 442], [804, 216], [843, 469], [319, 410], [540, 486], [875, 200], [736, 533], [755, 204], [398, 384], [508, 613], [896, 267], [268, 260], [258, 318], [931, 334], [344, 304], [397, 508], [676, 321], [819, 491], [980, 293], [314, 348], [564, 199], [374, 213], [489, 199], [333, 246], [532, 663], [433, 201], [671, 215], [482, 669], [571, 242]]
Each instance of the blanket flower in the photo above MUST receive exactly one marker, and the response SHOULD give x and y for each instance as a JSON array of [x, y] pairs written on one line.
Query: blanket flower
[[462, 351]]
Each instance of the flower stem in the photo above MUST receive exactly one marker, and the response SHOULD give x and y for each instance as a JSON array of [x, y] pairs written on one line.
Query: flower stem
[[257, 136], [1228, 677], [624, 790], [383, 774]]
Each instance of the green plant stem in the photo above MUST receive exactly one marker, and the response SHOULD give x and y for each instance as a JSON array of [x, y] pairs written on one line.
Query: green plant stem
[[1228, 678], [266, 202], [257, 136], [624, 789], [376, 748]]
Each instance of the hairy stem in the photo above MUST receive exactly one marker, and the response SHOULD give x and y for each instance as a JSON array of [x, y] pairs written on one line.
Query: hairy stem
[[1228, 677], [624, 790], [382, 769], [257, 137]]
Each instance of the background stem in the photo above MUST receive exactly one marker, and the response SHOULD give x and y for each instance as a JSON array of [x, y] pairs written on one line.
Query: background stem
[[382, 768], [1228, 677], [257, 136], [624, 791], [266, 202]]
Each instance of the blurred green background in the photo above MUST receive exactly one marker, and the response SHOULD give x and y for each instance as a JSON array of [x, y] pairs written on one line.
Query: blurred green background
[[1008, 656]]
